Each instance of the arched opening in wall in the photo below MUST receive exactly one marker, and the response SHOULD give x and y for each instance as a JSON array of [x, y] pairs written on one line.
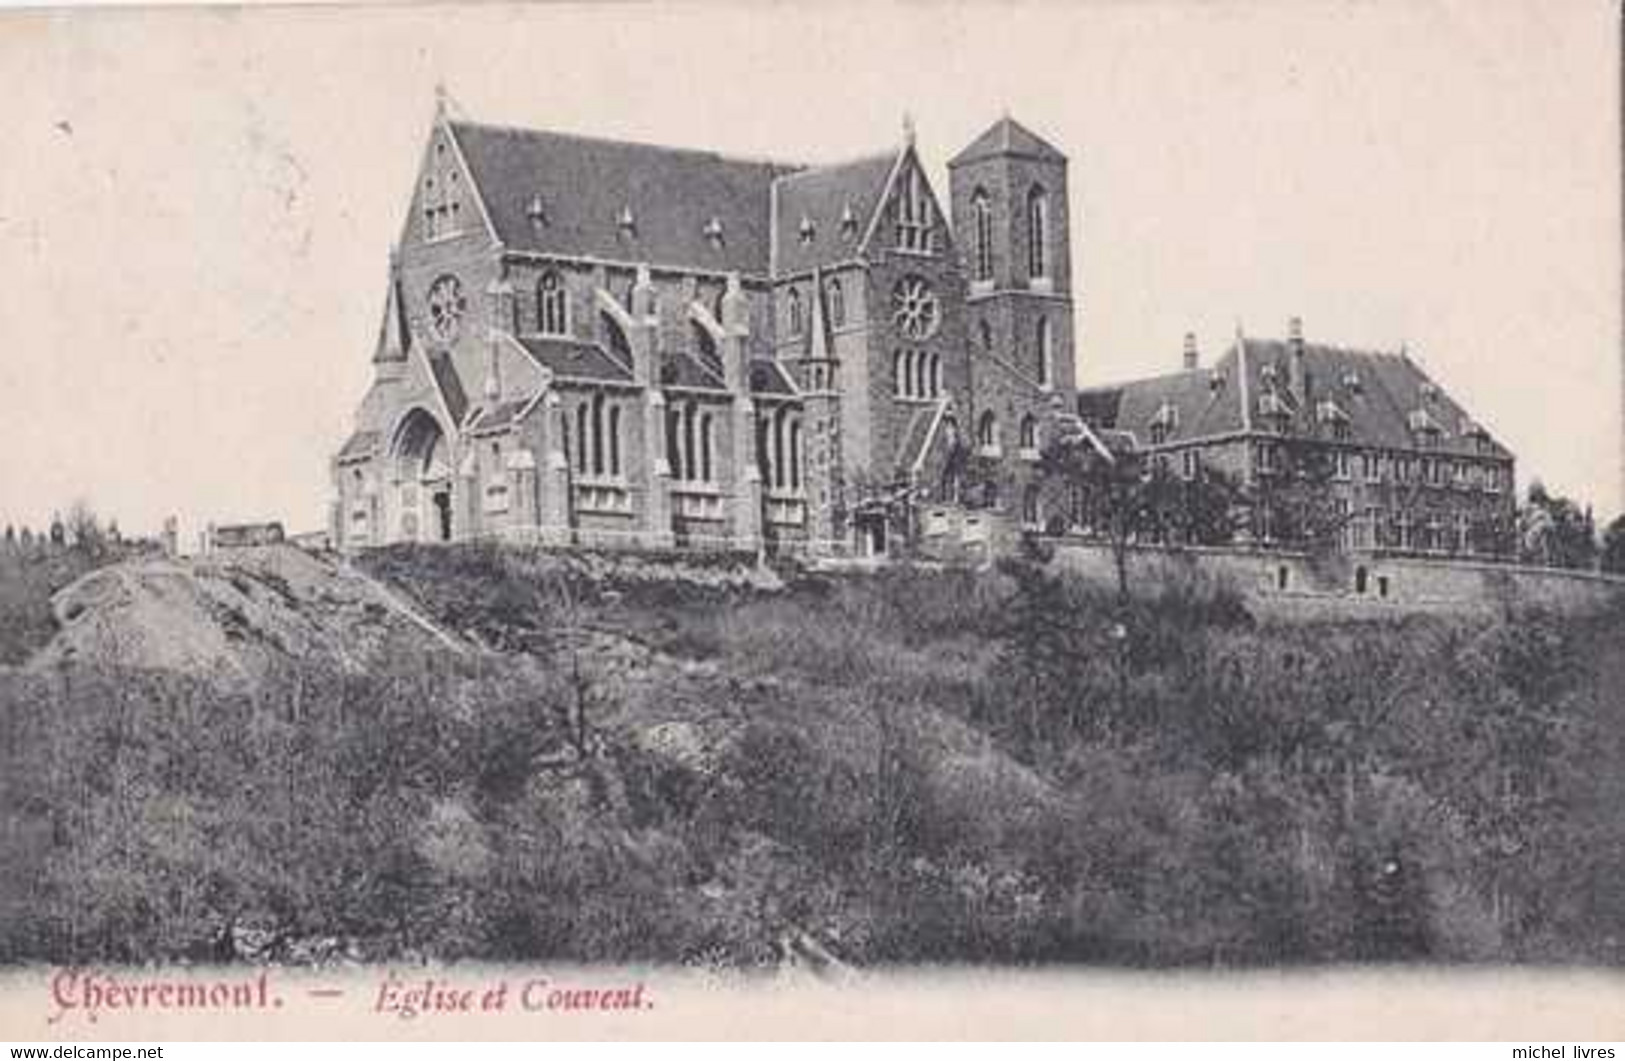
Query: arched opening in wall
[[987, 430], [1029, 433], [1361, 580], [423, 473], [618, 343], [1283, 577], [920, 370], [1382, 586], [982, 235], [705, 448], [936, 375], [551, 306], [1046, 355], [1037, 233], [899, 371], [704, 344]]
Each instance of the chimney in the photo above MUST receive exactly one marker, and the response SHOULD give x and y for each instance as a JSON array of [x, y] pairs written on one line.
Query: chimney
[[1190, 352], [1297, 379]]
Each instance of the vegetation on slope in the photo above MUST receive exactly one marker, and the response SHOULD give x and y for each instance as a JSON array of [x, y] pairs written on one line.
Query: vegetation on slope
[[915, 766]]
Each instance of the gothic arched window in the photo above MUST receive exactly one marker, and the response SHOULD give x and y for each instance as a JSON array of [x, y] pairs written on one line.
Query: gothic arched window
[[705, 448], [1046, 356], [981, 208], [674, 449], [794, 455], [551, 316], [936, 375], [1037, 233], [615, 440], [985, 333], [793, 301], [837, 303], [899, 371], [987, 430], [582, 415], [598, 435], [691, 464], [921, 383], [1029, 433]]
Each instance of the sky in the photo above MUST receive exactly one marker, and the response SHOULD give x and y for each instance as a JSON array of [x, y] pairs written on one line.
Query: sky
[[196, 206]]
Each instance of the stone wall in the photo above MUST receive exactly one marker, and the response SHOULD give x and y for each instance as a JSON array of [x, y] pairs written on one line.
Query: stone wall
[[1296, 585]]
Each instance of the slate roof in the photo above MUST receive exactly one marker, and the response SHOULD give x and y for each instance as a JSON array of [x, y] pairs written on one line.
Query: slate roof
[[575, 358], [449, 384], [1377, 393], [584, 184], [770, 378], [359, 445], [500, 416], [1008, 137], [679, 368], [826, 196]]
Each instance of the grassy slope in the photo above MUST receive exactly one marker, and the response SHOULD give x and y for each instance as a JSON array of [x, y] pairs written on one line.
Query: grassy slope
[[912, 766]]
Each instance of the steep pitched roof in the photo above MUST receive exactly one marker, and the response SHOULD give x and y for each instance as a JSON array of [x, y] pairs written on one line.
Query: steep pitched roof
[[583, 185], [1008, 137], [768, 377], [449, 384], [1376, 394], [574, 359], [679, 368], [359, 445], [394, 333], [501, 416], [836, 202]]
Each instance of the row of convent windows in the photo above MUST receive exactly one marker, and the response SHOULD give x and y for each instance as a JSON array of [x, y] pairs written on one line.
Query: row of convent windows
[[796, 310], [690, 444], [553, 306], [916, 374], [987, 432], [1038, 234]]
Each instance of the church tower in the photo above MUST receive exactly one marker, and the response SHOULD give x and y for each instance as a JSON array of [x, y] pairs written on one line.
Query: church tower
[[1011, 218]]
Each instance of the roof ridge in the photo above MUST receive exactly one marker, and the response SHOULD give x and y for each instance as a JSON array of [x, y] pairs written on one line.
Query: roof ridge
[[587, 138], [815, 169]]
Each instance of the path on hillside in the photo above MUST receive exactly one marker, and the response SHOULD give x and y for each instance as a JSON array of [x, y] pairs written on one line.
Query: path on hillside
[[398, 604]]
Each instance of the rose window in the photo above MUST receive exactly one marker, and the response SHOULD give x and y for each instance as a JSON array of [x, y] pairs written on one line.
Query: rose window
[[446, 305], [915, 308]]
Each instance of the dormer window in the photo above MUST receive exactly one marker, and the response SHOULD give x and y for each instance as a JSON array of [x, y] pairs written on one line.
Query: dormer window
[[807, 231], [537, 212], [849, 222], [713, 232], [626, 222]]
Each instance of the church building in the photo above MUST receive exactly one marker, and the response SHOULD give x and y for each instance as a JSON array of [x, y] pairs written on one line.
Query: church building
[[594, 342]]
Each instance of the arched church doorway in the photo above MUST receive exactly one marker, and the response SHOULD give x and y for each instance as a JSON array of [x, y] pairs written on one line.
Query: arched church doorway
[[423, 478]]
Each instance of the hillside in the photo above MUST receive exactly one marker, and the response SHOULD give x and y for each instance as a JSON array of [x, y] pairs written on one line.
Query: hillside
[[475, 753]]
